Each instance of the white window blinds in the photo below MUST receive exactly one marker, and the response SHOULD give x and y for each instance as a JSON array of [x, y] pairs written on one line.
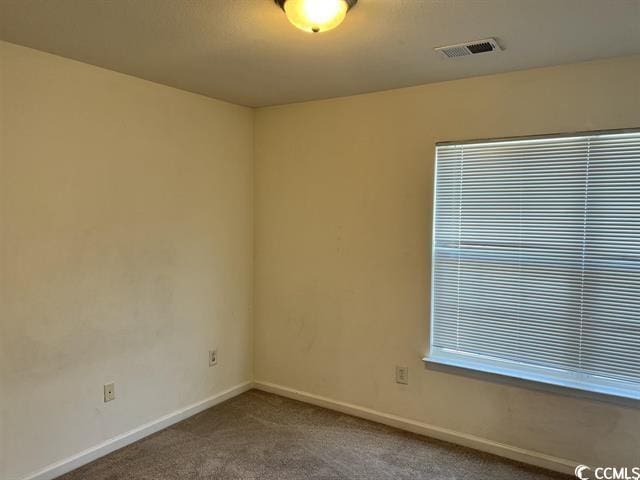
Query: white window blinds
[[536, 260]]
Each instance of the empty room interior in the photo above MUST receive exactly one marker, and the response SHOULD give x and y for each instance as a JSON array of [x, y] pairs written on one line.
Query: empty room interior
[[319, 239]]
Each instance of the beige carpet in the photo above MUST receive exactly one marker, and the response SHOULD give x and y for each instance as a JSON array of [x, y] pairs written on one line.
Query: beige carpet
[[262, 436]]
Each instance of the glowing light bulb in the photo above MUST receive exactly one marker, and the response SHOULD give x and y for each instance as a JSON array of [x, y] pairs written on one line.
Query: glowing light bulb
[[316, 15]]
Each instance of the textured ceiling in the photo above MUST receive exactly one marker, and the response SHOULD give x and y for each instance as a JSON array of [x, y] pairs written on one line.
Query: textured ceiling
[[246, 52]]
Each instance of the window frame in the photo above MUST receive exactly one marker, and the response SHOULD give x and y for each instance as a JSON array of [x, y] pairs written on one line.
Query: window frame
[[505, 369]]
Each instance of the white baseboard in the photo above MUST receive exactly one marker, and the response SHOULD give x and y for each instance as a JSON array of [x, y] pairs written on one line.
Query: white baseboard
[[59, 468], [508, 451], [514, 453]]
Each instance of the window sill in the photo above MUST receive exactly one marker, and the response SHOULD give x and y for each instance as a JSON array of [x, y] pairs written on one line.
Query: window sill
[[505, 370]]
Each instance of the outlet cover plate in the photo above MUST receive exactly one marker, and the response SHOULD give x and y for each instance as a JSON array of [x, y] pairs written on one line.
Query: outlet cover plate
[[213, 357], [109, 392], [402, 375]]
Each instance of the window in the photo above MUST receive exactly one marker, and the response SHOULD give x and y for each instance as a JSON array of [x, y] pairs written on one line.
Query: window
[[536, 259]]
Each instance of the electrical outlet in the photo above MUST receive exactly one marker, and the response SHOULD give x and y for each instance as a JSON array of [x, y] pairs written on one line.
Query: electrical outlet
[[402, 375], [213, 357], [109, 392]]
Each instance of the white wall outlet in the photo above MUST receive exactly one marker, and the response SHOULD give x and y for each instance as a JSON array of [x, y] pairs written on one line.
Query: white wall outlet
[[109, 392], [402, 375], [213, 357]]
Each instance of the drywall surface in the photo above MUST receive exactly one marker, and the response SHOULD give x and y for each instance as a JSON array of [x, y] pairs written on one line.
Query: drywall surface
[[343, 207], [126, 223]]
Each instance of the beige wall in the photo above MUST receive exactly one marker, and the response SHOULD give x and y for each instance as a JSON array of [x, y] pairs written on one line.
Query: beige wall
[[126, 223], [343, 224]]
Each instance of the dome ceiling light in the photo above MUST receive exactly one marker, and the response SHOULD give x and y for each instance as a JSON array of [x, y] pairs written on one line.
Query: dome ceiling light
[[316, 16]]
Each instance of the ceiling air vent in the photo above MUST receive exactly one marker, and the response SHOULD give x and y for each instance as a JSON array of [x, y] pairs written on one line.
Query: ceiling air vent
[[486, 45]]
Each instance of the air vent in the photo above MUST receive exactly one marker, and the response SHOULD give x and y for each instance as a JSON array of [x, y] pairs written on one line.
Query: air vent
[[486, 45]]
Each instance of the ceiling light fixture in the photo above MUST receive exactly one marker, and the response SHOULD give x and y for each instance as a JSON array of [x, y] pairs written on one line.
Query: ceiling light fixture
[[316, 15]]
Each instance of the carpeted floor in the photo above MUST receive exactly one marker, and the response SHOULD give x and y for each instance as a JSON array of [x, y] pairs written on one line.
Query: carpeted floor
[[262, 436]]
